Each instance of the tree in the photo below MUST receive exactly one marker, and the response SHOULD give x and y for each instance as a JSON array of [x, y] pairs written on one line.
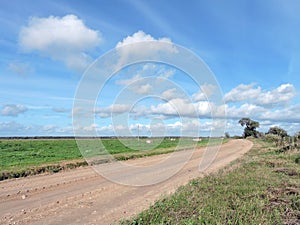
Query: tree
[[277, 131], [250, 127], [227, 135]]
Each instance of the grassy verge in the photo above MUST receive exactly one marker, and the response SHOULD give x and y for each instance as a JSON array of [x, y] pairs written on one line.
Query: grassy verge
[[262, 188], [19, 158]]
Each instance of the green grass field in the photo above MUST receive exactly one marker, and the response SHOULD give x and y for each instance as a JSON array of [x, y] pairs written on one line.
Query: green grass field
[[30, 156], [261, 188]]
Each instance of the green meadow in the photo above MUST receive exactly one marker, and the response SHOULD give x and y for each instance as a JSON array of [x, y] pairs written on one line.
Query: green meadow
[[22, 157]]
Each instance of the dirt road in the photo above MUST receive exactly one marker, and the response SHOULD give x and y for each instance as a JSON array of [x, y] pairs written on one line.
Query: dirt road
[[82, 196]]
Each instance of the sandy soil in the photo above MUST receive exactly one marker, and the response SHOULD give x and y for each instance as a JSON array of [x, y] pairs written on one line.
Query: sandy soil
[[82, 196]]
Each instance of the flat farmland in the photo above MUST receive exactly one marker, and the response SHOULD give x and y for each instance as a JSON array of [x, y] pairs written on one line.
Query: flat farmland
[[23, 157]]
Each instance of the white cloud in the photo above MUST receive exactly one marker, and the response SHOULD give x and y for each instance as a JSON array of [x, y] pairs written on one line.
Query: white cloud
[[65, 39], [279, 95], [287, 114], [175, 126], [179, 107], [242, 92], [168, 108], [119, 108], [206, 91], [166, 73], [144, 89], [263, 105], [171, 94], [140, 36], [112, 109], [245, 110], [13, 110], [204, 108], [148, 47]]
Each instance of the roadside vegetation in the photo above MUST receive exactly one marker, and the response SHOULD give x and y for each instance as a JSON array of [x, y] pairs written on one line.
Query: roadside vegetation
[[261, 188], [20, 158]]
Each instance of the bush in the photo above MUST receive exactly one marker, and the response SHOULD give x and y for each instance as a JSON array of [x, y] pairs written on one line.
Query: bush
[[272, 138]]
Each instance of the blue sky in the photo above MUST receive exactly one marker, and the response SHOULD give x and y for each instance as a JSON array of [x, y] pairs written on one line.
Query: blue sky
[[252, 48]]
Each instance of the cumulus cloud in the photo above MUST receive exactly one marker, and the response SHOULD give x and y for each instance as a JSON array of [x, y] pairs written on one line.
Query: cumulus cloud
[[147, 48], [13, 110], [179, 107], [287, 114], [279, 95], [174, 103], [65, 39], [245, 110], [242, 92], [280, 114], [282, 94], [140, 36], [174, 107], [263, 105]]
